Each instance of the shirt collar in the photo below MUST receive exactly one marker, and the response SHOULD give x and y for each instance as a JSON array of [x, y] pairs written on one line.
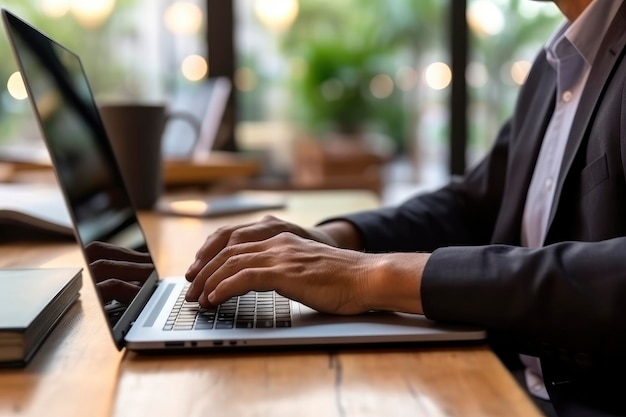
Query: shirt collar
[[598, 15]]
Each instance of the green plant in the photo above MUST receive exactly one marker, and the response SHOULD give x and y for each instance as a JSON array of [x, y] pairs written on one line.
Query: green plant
[[343, 46], [331, 94]]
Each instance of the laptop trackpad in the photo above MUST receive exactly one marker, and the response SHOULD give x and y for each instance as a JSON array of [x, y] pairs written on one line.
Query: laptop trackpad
[[309, 317]]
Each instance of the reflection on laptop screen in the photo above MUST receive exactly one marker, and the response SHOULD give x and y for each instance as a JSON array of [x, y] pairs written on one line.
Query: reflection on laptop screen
[[105, 221]]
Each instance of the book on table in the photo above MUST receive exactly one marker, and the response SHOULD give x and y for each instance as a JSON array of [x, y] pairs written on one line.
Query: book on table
[[32, 301], [33, 211]]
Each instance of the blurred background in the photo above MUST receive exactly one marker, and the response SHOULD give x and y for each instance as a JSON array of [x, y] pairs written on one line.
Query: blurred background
[[326, 93]]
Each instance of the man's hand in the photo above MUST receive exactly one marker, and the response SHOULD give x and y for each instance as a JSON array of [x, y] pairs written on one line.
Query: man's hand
[[321, 276], [268, 227]]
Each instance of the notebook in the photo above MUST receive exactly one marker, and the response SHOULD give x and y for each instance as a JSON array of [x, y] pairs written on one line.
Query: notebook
[[33, 211], [144, 311], [32, 301]]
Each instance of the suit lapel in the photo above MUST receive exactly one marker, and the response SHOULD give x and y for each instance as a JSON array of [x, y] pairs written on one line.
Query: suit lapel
[[600, 75]]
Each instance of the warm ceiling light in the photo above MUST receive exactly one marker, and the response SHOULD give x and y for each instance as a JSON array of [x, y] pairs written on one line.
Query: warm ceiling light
[[55, 8], [485, 18], [92, 13], [194, 67], [276, 15], [438, 76], [16, 87], [183, 18]]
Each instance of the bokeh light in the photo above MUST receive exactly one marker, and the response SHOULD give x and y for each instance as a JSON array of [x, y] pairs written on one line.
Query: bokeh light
[[406, 78], [438, 75], [276, 15], [55, 8], [485, 18], [16, 87], [381, 86], [476, 74], [519, 71], [183, 18], [92, 13], [194, 67]]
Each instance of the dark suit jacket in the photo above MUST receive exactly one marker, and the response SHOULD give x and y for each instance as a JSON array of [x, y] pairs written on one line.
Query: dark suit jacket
[[565, 302]]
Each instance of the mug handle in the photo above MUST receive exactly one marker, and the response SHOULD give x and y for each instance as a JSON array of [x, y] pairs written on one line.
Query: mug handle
[[188, 117]]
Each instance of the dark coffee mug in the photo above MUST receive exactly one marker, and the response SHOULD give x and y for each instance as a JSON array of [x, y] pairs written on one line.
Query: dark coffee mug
[[135, 131]]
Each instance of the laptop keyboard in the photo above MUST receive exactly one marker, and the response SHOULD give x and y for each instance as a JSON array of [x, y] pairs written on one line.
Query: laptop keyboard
[[252, 310]]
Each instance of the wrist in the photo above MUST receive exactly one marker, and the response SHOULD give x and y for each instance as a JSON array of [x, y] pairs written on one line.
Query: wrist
[[394, 281]]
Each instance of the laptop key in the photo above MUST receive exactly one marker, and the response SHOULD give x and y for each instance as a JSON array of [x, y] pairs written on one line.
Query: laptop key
[[264, 324], [203, 325]]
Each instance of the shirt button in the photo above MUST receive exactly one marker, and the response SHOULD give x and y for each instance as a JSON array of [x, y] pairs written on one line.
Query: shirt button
[[548, 184], [567, 96], [536, 387]]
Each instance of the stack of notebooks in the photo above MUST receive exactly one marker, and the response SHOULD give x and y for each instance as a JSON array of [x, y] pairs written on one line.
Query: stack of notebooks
[[32, 301]]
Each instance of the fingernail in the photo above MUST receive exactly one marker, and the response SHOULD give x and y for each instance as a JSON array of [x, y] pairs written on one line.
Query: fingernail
[[211, 298]]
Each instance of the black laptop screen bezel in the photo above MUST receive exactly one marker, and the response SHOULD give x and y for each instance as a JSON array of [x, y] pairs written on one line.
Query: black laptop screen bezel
[[16, 29]]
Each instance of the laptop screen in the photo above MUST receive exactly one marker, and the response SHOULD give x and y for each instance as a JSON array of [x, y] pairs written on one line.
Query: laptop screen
[[105, 221]]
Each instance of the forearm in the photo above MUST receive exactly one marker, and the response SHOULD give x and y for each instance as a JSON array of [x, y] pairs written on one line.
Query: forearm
[[342, 233]]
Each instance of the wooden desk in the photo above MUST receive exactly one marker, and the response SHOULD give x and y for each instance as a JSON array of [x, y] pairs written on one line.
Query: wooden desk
[[78, 371], [217, 167]]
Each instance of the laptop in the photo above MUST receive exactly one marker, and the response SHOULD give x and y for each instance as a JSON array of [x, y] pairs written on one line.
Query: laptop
[[205, 102], [145, 312]]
